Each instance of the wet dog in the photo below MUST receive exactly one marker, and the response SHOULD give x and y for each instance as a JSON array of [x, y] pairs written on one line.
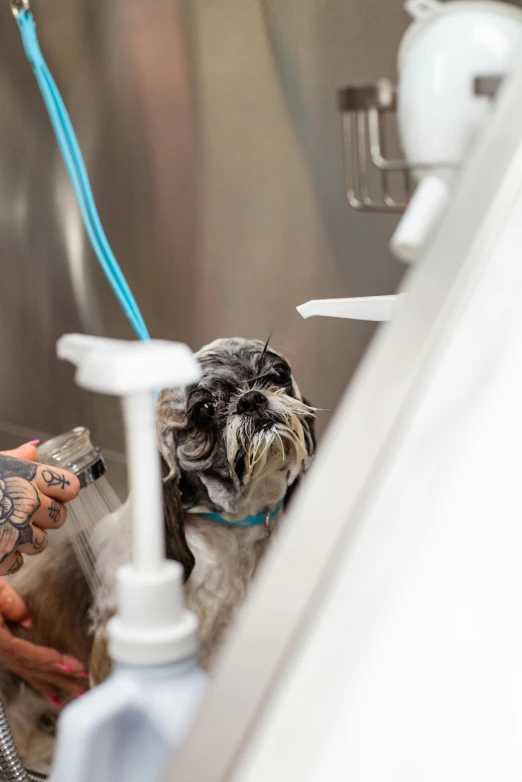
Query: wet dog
[[233, 448]]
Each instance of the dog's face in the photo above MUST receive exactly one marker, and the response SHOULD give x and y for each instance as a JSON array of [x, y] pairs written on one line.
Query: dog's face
[[242, 436]]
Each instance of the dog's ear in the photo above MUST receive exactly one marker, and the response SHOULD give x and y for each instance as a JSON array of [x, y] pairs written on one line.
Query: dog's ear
[[170, 416], [313, 442], [174, 515]]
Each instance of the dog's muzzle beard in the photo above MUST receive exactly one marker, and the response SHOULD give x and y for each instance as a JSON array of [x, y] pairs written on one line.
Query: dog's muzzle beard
[[273, 436]]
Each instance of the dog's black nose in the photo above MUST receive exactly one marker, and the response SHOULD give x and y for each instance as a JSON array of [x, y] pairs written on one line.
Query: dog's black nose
[[252, 402]]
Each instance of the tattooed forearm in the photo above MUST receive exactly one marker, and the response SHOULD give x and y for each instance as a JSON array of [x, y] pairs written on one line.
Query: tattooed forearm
[[39, 544], [54, 512], [53, 479]]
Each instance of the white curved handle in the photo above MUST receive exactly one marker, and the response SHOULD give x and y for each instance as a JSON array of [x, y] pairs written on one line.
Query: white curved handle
[[372, 308]]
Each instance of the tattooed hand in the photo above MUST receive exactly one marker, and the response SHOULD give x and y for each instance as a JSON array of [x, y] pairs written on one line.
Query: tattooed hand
[[31, 501]]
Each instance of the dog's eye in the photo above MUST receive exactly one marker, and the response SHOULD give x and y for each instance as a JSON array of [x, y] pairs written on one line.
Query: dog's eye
[[280, 374], [203, 412]]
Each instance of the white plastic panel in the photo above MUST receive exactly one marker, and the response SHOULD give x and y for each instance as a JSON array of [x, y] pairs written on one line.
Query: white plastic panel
[[356, 658], [414, 668]]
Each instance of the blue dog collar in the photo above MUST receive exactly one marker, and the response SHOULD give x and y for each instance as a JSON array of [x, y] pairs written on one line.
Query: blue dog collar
[[249, 521]]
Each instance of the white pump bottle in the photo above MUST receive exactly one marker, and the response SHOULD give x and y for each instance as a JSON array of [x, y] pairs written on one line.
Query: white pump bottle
[[128, 727]]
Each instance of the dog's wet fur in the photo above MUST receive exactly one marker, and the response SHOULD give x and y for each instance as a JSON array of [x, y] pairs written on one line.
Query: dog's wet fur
[[235, 444]]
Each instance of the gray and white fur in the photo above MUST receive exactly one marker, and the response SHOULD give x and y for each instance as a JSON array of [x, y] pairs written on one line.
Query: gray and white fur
[[234, 444]]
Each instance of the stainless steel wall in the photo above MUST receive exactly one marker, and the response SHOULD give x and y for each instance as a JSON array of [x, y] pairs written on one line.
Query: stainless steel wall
[[211, 134]]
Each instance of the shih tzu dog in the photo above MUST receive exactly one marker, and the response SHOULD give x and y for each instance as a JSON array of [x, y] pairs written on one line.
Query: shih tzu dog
[[233, 448]]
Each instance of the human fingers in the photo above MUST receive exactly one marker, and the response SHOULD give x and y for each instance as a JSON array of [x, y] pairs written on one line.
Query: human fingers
[[56, 483], [11, 564], [37, 542], [44, 689], [50, 514], [12, 605], [42, 658], [55, 681], [27, 451]]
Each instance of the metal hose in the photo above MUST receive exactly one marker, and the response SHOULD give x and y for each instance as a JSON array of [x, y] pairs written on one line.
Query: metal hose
[[11, 766], [10, 761]]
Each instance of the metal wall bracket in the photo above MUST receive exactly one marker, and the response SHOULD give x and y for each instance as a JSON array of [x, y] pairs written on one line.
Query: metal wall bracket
[[364, 147], [371, 177]]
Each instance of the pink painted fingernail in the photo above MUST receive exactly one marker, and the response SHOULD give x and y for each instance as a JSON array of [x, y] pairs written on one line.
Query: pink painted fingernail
[[27, 623], [34, 442], [66, 668], [83, 675], [55, 702]]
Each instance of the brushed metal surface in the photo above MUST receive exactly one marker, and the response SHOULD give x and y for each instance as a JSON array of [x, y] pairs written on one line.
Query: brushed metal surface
[[212, 138]]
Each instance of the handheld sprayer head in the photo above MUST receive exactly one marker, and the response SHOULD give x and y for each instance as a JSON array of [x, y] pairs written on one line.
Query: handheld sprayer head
[[152, 626], [75, 452]]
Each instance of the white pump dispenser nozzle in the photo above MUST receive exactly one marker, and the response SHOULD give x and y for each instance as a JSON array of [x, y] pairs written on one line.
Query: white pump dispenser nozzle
[[152, 626], [125, 729]]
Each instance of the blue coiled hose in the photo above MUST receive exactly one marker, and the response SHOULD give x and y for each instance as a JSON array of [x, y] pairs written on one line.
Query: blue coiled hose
[[75, 166]]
